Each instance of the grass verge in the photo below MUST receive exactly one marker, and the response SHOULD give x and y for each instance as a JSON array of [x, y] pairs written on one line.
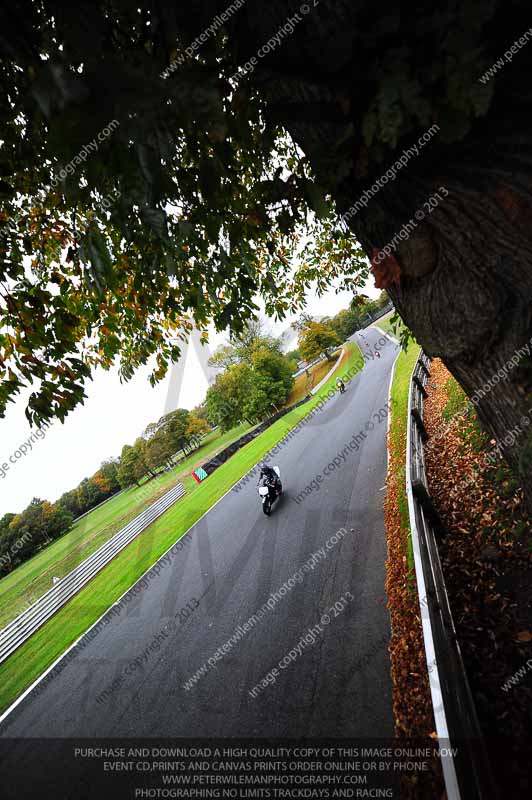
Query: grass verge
[[304, 383], [47, 644], [385, 324], [397, 441]]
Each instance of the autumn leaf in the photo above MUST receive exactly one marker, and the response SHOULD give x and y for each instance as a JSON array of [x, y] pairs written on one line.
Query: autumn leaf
[[386, 271], [509, 200], [254, 219]]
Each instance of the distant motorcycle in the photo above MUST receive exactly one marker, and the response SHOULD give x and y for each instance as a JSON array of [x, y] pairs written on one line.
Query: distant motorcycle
[[269, 490], [341, 387]]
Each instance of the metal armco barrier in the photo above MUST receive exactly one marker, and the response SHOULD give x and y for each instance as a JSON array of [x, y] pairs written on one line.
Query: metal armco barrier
[[371, 318], [467, 774], [27, 623]]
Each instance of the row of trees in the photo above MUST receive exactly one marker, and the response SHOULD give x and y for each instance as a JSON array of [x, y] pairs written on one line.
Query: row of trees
[[180, 430], [256, 378], [357, 316], [321, 337], [92, 491], [22, 535], [41, 522]]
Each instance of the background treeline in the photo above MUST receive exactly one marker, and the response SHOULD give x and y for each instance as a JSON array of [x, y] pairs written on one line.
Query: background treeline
[[177, 433], [357, 316], [320, 336], [255, 378]]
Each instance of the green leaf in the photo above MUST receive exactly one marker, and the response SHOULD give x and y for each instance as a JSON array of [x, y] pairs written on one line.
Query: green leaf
[[315, 197], [156, 219], [369, 127]]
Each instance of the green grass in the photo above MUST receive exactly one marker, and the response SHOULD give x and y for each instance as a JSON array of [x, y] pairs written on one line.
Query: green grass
[[385, 324], [399, 399], [302, 383], [33, 578], [459, 405], [32, 658], [457, 400]]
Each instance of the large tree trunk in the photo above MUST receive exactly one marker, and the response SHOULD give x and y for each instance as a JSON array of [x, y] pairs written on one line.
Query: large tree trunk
[[465, 285], [466, 292]]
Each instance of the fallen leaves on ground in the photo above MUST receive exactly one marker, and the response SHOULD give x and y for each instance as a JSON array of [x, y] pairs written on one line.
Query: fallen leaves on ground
[[412, 706], [488, 572]]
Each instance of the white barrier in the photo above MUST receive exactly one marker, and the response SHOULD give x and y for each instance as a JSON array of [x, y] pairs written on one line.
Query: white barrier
[[27, 623]]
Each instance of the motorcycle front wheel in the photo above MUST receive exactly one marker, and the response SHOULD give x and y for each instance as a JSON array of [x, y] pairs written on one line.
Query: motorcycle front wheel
[[267, 506]]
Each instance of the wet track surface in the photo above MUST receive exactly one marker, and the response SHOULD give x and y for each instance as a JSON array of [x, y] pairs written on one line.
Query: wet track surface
[[237, 559]]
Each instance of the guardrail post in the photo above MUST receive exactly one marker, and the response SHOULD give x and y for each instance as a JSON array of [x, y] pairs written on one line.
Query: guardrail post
[[421, 425], [420, 386]]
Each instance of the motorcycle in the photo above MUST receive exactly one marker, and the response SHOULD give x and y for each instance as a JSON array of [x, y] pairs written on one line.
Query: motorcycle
[[341, 387], [269, 491]]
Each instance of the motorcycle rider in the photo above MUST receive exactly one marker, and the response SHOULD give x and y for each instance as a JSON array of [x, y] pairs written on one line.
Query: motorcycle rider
[[340, 384], [269, 474]]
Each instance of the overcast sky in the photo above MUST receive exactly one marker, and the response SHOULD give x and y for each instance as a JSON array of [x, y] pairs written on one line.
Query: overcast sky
[[114, 414]]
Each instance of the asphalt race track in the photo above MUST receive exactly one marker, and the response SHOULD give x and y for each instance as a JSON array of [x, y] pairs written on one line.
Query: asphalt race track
[[335, 686]]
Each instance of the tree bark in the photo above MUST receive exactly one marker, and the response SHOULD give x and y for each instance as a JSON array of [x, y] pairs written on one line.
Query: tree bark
[[465, 290], [473, 310]]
